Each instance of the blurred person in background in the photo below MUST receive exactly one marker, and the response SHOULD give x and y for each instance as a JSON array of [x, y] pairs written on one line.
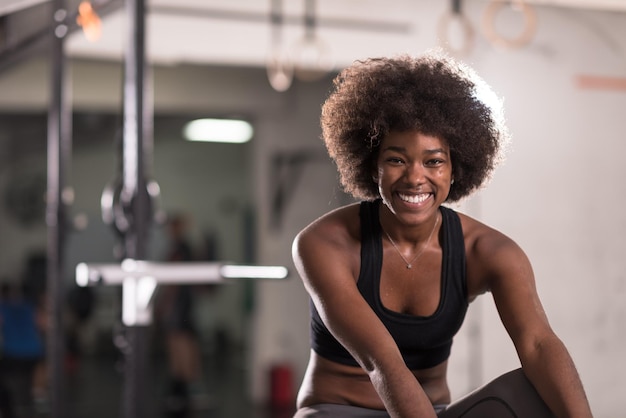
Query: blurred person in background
[[22, 362], [175, 315]]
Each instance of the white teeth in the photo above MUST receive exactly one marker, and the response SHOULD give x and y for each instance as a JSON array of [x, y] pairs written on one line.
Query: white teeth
[[414, 198]]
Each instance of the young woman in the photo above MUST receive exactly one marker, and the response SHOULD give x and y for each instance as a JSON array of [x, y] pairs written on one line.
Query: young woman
[[391, 277]]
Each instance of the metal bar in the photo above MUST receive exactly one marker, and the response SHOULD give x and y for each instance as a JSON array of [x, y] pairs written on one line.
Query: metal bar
[[38, 42], [25, 48], [456, 7], [310, 18], [256, 17], [8, 7], [90, 274], [59, 153], [139, 280], [133, 195]]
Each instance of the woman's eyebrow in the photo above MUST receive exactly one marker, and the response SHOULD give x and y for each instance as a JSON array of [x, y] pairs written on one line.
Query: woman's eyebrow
[[403, 149], [394, 148], [437, 151]]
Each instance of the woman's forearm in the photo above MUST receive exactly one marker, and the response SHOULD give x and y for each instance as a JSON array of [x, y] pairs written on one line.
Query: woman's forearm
[[553, 374], [402, 394]]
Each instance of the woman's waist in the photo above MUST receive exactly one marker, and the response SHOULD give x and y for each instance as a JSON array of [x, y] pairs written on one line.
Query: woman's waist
[[329, 382]]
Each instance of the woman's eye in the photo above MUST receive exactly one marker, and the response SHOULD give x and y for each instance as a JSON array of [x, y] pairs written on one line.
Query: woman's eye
[[395, 160]]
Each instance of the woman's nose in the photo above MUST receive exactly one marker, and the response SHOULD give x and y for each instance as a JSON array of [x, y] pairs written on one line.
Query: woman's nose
[[415, 174]]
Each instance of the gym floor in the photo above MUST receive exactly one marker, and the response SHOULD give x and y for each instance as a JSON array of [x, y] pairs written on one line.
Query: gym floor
[[94, 390]]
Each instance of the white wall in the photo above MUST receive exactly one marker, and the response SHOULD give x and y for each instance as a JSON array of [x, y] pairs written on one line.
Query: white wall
[[559, 194]]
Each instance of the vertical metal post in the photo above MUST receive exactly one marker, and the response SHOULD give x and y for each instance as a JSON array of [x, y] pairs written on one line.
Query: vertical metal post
[[133, 195], [59, 153]]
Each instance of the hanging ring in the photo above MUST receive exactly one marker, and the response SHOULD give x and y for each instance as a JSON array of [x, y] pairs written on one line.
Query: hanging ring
[[312, 58], [443, 29], [280, 70], [279, 66], [526, 35]]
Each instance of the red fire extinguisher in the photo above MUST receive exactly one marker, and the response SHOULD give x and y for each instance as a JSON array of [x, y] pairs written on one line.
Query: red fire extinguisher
[[281, 386]]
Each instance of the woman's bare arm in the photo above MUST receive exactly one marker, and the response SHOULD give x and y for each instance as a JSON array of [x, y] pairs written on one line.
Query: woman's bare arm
[[544, 358], [322, 255]]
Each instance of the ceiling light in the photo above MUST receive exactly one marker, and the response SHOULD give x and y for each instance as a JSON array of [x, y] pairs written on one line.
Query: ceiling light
[[218, 130]]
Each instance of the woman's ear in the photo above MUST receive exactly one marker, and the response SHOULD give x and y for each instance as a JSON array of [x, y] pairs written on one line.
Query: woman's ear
[[374, 170]]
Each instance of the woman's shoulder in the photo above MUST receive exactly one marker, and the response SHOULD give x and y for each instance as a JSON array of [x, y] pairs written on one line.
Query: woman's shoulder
[[342, 219], [481, 237], [488, 250], [338, 227]]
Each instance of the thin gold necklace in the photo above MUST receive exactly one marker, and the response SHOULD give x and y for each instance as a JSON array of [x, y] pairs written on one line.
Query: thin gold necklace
[[409, 264]]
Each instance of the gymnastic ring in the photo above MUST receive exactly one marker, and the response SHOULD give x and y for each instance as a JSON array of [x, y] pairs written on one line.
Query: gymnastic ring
[[468, 31], [530, 24], [279, 71], [310, 46]]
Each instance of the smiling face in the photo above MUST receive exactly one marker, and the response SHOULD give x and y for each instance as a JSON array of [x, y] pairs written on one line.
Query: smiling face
[[414, 173]]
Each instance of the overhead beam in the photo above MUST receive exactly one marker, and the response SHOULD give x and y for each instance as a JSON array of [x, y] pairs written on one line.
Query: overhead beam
[[11, 6], [368, 25], [40, 40]]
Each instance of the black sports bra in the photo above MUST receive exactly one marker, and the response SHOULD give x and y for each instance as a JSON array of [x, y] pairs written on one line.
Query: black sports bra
[[424, 341]]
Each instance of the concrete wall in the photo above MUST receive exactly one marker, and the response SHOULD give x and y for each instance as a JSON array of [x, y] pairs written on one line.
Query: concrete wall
[[559, 194]]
